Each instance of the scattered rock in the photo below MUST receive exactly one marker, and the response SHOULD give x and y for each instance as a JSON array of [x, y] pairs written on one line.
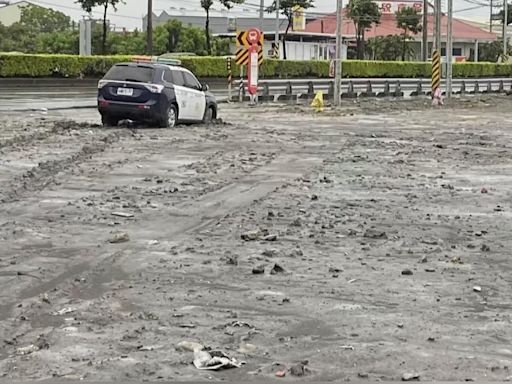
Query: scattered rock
[[430, 270], [298, 369], [280, 373], [297, 222], [362, 375], [251, 235], [456, 260], [424, 259], [485, 248], [258, 270], [64, 311], [400, 325], [411, 377], [45, 298], [122, 237], [431, 339], [407, 272], [272, 237], [375, 234], [122, 214], [484, 190], [27, 350], [276, 269], [270, 252], [476, 288], [189, 346]]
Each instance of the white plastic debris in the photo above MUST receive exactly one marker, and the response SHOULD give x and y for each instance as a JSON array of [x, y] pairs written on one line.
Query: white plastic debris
[[215, 360]]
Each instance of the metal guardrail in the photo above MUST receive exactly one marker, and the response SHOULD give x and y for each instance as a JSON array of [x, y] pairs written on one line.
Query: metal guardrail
[[288, 90]]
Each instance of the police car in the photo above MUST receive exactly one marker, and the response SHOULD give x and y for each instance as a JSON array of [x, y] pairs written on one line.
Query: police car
[[156, 91]]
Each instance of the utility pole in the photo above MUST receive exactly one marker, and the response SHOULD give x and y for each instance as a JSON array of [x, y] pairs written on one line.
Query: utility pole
[[424, 50], [449, 50], [490, 17], [437, 45], [436, 54], [262, 10], [278, 24], [337, 60], [505, 22], [149, 33]]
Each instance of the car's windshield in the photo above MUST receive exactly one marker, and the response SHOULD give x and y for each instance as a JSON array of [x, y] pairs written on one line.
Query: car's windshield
[[139, 74]]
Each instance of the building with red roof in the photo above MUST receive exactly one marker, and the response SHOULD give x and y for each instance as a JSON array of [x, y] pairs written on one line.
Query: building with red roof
[[466, 36]]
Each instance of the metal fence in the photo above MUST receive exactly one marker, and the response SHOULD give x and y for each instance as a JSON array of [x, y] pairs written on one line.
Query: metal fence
[[297, 89]]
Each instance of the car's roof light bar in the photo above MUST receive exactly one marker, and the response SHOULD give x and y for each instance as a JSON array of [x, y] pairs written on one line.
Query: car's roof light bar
[[156, 59]]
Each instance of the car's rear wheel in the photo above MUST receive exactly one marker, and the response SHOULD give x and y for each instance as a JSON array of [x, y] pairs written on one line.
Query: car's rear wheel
[[209, 115], [109, 121], [171, 118]]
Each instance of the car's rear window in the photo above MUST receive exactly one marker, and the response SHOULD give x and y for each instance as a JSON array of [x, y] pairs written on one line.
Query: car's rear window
[[139, 74]]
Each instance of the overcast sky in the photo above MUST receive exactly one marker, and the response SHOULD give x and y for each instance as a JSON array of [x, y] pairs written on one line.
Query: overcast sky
[[130, 15]]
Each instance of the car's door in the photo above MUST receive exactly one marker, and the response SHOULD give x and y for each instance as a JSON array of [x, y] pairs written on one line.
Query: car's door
[[184, 95], [197, 96]]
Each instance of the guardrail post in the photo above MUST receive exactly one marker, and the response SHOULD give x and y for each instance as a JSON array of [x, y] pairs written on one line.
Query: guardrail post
[[350, 92], [489, 87], [477, 88], [501, 87], [311, 90], [398, 90], [419, 90], [463, 88], [265, 96], [330, 92], [369, 91], [385, 93]]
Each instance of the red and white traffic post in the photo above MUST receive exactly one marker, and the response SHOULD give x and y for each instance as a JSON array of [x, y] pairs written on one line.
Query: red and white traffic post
[[253, 37]]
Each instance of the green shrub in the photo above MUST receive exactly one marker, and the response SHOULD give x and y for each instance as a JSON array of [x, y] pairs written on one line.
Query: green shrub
[[20, 65]]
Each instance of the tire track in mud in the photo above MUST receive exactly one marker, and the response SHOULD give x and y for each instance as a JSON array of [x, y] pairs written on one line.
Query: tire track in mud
[[42, 175], [50, 128]]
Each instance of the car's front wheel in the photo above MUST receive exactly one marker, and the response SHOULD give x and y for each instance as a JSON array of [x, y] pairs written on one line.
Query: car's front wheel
[[170, 120], [209, 115], [109, 121]]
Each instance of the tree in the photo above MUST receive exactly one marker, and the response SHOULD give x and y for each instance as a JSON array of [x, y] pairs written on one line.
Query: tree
[[88, 5], [42, 19], [408, 19], [363, 13], [286, 8], [207, 5], [386, 48], [509, 16]]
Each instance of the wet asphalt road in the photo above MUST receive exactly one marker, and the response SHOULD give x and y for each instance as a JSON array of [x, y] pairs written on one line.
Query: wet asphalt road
[[37, 98]]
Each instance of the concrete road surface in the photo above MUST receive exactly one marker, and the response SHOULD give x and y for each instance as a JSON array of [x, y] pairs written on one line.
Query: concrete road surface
[[366, 243]]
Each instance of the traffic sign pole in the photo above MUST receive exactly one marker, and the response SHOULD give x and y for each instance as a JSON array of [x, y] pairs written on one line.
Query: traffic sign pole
[[253, 37], [449, 51], [230, 78]]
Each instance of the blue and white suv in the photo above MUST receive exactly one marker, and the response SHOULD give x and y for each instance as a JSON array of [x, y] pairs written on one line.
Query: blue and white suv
[[161, 93]]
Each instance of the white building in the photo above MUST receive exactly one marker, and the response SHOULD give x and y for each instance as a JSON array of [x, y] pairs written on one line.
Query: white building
[[11, 13]]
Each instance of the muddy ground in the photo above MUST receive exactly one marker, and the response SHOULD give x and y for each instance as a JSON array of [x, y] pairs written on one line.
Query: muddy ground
[[382, 231]]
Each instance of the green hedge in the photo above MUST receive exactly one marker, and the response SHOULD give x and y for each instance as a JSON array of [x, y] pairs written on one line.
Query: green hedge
[[19, 65], [46, 65]]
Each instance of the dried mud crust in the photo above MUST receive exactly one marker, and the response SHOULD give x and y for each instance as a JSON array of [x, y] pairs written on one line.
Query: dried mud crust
[[382, 240]]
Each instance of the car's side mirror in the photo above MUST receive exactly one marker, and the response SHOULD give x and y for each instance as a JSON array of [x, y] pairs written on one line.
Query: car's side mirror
[[205, 87]]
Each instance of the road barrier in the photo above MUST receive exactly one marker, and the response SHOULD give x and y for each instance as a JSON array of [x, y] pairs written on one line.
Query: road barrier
[[305, 89]]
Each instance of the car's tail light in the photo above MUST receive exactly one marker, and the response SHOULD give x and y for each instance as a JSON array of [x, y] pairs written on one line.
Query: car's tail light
[[102, 83], [154, 88]]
